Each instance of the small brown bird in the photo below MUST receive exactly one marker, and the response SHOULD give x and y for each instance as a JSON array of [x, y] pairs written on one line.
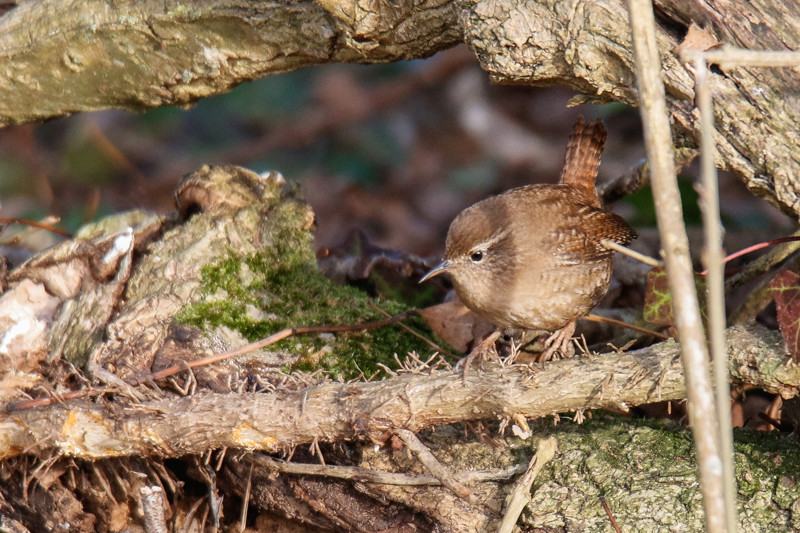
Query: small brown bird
[[531, 258]]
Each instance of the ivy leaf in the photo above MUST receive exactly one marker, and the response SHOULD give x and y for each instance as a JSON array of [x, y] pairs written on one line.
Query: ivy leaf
[[785, 290], [658, 299], [658, 307]]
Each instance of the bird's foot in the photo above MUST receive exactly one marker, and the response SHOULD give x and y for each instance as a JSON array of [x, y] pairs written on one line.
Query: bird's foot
[[559, 342], [482, 349]]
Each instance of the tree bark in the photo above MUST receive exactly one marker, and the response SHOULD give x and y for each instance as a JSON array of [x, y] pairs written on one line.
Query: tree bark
[[58, 58], [333, 412], [124, 293]]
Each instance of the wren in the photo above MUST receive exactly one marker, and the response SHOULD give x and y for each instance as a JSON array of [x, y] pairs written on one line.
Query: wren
[[530, 258]]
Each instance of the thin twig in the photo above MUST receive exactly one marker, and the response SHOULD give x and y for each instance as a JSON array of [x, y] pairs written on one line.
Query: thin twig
[[646, 259], [211, 359], [246, 500], [609, 515], [355, 473], [764, 263], [675, 243], [272, 339], [521, 493], [435, 467], [411, 331], [714, 259], [34, 224], [728, 56], [614, 322]]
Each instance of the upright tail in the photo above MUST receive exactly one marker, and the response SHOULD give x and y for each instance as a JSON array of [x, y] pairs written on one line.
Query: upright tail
[[583, 156]]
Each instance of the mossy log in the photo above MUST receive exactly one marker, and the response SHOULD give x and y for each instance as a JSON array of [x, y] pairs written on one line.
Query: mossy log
[[137, 293]]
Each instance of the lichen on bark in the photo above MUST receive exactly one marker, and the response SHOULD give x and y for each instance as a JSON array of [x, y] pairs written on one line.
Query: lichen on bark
[[644, 469]]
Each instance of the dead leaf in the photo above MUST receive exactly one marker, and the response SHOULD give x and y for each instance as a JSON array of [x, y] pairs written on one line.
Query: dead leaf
[[456, 324], [696, 38], [785, 290]]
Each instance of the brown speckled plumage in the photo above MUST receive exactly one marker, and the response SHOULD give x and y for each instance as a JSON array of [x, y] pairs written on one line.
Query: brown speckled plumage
[[531, 257]]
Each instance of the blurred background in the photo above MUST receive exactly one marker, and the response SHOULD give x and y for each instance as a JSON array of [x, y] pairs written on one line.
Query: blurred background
[[393, 150]]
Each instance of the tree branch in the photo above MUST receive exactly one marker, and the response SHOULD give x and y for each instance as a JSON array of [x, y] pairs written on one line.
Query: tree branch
[[60, 57], [353, 411]]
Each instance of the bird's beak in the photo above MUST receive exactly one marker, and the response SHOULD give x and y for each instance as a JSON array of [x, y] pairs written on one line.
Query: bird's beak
[[441, 267]]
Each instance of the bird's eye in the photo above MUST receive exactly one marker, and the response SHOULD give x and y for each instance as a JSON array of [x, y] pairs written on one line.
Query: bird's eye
[[476, 257]]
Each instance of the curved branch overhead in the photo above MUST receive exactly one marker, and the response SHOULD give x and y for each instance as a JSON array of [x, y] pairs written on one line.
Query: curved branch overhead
[[59, 57], [586, 45]]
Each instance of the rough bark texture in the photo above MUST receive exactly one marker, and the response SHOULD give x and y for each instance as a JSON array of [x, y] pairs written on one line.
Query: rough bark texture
[[119, 301], [645, 472], [62, 57], [586, 45], [337, 412]]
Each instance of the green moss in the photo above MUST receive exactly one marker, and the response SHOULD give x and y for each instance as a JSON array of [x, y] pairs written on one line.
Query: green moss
[[647, 472], [189, 12], [774, 463], [279, 287], [264, 293]]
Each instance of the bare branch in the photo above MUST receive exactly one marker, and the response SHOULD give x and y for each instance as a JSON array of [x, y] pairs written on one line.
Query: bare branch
[[61, 57], [355, 411], [520, 494], [355, 473], [714, 261], [675, 247]]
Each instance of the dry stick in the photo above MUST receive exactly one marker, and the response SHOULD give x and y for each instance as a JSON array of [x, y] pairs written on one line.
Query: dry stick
[[694, 355], [614, 322], [186, 365], [521, 493], [272, 339], [414, 333], [153, 509], [714, 259], [753, 269], [333, 412], [435, 467], [365, 475], [646, 259], [34, 224], [728, 56], [609, 515], [246, 500]]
